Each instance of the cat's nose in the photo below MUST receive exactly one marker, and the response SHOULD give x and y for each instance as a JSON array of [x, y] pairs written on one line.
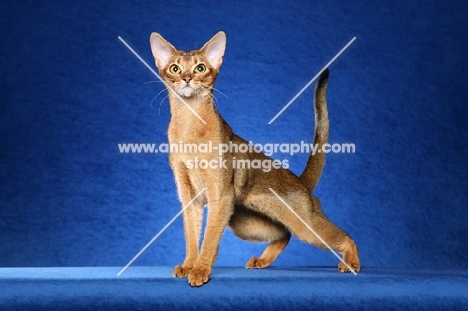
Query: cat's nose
[[187, 78]]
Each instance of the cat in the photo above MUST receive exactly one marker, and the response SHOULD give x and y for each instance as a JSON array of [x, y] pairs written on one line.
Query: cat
[[238, 198]]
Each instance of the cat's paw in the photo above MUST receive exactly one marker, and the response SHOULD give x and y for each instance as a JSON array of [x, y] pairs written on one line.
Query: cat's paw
[[343, 268], [257, 263], [181, 271], [199, 275], [351, 257]]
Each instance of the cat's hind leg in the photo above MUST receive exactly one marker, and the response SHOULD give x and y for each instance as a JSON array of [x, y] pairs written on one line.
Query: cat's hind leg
[[269, 255], [338, 240], [319, 231], [252, 226]]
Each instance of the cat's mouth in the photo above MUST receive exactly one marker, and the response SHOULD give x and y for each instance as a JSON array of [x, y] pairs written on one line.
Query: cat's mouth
[[186, 91]]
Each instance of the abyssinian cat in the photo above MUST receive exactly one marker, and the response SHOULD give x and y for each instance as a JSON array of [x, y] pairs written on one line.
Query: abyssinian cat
[[238, 198]]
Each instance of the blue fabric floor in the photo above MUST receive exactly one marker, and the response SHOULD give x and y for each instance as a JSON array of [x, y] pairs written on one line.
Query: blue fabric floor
[[144, 288]]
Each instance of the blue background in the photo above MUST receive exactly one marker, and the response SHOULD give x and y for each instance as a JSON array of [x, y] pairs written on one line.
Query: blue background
[[71, 92]]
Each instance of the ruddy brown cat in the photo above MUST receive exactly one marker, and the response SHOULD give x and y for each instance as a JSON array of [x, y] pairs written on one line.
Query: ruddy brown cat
[[238, 198]]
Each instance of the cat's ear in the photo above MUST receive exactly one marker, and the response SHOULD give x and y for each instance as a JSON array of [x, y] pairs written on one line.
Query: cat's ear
[[214, 49], [162, 50]]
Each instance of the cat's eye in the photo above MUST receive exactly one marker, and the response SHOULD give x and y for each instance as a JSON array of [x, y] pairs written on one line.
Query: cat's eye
[[200, 68], [174, 69]]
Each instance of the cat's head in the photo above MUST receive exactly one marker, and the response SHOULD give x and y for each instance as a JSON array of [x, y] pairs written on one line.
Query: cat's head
[[189, 73]]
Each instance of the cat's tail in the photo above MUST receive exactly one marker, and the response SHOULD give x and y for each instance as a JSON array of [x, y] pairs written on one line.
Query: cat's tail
[[313, 170]]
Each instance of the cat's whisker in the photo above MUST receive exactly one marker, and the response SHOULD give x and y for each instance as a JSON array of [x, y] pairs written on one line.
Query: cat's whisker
[[157, 96], [155, 81], [215, 89], [215, 100], [198, 95], [160, 104]]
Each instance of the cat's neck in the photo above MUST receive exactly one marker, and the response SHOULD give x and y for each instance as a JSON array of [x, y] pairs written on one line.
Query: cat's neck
[[181, 105], [186, 123]]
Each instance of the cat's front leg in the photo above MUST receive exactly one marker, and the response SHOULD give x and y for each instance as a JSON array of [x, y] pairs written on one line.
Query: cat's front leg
[[192, 217], [220, 210]]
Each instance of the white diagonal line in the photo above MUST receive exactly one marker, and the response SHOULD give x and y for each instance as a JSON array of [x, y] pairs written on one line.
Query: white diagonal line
[[311, 81], [313, 231], [160, 232], [159, 77]]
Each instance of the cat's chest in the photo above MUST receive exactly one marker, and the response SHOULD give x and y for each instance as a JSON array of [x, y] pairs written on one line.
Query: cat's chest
[[182, 133], [194, 132]]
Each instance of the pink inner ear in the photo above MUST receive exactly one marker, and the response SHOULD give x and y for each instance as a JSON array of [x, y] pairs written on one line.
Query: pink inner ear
[[162, 50], [162, 60], [214, 50], [162, 55]]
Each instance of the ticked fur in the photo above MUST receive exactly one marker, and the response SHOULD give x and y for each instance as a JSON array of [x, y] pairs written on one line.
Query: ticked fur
[[238, 198]]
